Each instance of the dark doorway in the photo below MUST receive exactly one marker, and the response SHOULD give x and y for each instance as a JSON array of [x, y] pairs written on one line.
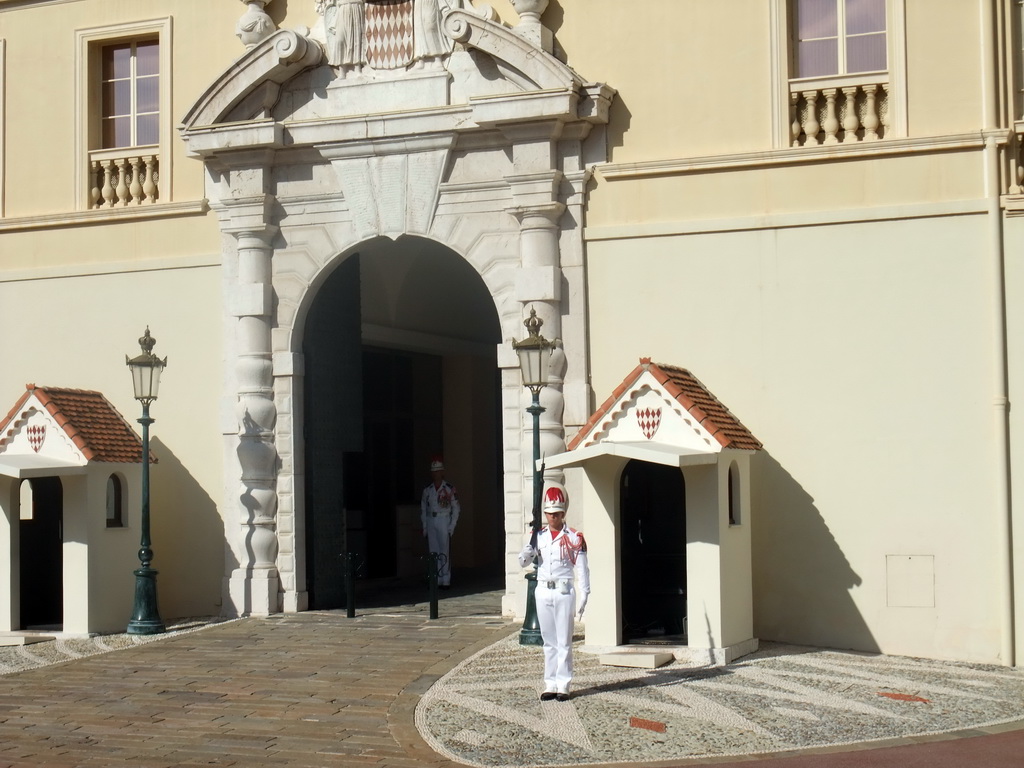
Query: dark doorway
[[333, 428], [41, 554], [401, 421], [399, 359], [652, 541]]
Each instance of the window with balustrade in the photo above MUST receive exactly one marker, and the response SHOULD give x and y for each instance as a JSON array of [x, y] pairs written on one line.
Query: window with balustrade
[[123, 115], [843, 63]]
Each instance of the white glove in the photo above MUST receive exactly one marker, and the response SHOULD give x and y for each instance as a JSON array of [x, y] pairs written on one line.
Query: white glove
[[526, 555], [582, 606]]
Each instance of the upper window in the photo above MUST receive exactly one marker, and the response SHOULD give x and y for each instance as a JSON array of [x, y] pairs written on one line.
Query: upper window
[[839, 71], [839, 37], [130, 94], [122, 110]]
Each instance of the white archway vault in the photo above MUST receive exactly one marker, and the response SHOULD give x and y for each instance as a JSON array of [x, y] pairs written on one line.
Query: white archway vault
[[481, 144]]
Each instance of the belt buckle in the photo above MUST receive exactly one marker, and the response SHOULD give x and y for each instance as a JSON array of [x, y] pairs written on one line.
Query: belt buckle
[[552, 584]]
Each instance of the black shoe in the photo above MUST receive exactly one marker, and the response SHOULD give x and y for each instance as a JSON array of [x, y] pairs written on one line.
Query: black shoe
[[446, 586], [562, 696], [548, 695]]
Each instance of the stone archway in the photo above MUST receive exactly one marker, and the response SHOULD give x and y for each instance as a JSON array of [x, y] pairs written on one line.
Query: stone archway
[[485, 151], [399, 364]]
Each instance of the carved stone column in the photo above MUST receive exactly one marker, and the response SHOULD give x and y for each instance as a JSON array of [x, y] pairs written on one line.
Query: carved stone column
[[539, 287], [253, 585]]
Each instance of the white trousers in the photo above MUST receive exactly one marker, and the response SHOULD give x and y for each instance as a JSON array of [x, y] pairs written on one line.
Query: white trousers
[[555, 615], [437, 541]]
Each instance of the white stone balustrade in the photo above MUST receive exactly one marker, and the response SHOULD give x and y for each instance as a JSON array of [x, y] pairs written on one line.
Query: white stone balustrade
[[838, 111], [120, 179]]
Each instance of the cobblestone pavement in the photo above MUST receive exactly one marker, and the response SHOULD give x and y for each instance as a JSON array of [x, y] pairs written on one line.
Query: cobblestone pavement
[[308, 690], [392, 688]]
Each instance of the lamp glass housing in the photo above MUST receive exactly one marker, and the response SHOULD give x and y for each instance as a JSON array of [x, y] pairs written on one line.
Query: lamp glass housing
[[146, 377], [146, 370], [534, 361]]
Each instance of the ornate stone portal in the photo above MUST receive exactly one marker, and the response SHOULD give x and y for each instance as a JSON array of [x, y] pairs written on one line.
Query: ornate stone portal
[[434, 121]]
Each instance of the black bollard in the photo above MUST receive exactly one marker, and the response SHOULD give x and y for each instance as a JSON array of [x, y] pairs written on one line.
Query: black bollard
[[432, 566], [350, 584]]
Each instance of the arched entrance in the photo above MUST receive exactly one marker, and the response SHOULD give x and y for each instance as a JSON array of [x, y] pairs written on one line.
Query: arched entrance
[[488, 153], [400, 364], [652, 542], [40, 552]]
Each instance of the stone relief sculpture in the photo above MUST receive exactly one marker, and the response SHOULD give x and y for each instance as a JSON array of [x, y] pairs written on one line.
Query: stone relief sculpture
[[430, 42], [343, 33], [255, 25], [413, 33]]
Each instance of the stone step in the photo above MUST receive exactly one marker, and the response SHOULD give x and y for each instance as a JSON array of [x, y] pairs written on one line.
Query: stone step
[[24, 638], [638, 659]]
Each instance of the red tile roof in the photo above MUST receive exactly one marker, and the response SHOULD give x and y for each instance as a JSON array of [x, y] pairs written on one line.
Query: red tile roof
[[690, 393], [89, 421]]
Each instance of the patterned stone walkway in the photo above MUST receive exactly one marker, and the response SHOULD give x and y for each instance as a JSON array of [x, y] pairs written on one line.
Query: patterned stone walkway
[[310, 690], [486, 711], [392, 688]]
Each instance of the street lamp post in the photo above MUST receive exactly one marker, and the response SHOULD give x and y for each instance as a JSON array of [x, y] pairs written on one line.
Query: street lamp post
[[146, 370], [534, 360]]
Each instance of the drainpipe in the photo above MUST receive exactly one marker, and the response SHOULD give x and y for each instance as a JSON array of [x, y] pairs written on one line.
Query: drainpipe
[[993, 140]]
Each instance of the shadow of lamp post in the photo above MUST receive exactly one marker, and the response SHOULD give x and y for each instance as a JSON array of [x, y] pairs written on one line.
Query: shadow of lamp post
[[534, 360], [146, 370]]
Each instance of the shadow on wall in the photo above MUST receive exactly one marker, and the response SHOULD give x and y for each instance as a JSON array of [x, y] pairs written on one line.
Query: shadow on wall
[[188, 539], [802, 579]]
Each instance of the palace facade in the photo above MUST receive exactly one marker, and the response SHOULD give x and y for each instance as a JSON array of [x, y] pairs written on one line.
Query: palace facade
[[777, 241]]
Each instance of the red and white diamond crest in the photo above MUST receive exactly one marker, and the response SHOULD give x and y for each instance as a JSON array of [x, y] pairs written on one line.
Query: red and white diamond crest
[[36, 435], [649, 420], [389, 35]]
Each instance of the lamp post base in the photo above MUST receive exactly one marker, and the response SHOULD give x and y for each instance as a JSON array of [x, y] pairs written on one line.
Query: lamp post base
[[145, 616], [530, 633]]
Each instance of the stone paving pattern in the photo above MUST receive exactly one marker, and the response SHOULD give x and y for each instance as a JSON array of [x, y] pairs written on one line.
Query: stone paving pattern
[[486, 711], [312, 689], [394, 689]]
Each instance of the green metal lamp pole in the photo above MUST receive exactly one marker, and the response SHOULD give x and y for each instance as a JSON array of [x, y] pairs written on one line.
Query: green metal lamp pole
[[530, 633], [146, 369], [534, 358]]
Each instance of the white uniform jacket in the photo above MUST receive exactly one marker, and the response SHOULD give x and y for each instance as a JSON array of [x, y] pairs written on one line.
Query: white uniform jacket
[[441, 502], [560, 555]]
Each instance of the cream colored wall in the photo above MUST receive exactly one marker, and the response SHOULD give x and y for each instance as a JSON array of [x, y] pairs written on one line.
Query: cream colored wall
[[76, 551], [10, 584], [944, 81], [860, 356], [593, 509], [736, 555], [129, 246], [1014, 237], [710, 91], [83, 346], [87, 289], [693, 78], [113, 552], [718, 196], [704, 553], [40, 159]]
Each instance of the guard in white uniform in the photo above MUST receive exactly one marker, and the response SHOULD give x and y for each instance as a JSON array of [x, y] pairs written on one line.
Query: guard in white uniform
[[439, 512], [562, 574]]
